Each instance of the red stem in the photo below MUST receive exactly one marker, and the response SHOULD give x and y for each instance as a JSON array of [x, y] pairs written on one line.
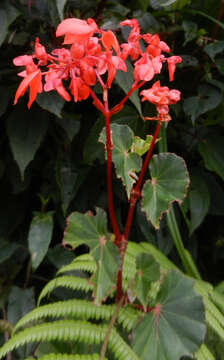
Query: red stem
[[134, 87], [135, 192], [221, 10]]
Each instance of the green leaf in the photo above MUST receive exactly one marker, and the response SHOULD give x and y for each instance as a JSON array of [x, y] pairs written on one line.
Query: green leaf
[[215, 48], [147, 270], [125, 81], [39, 237], [8, 14], [60, 6], [86, 229], [51, 102], [212, 152], [198, 202], [125, 161], [26, 131], [21, 301], [70, 123], [169, 182], [108, 260], [190, 31], [7, 249], [208, 98], [140, 146], [176, 326]]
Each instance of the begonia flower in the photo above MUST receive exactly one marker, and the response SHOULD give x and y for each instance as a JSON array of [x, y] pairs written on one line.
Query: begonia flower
[[161, 97]]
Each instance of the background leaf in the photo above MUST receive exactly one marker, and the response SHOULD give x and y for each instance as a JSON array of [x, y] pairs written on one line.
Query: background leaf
[[60, 6], [208, 98], [169, 181], [176, 325], [51, 102], [26, 131], [39, 237], [125, 81], [212, 152]]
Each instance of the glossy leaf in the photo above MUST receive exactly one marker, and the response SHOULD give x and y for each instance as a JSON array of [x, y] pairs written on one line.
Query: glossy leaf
[[125, 81], [39, 237], [169, 182], [212, 152], [26, 131], [214, 48], [176, 326], [108, 259], [125, 161], [8, 13], [199, 201], [60, 6], [21, 301], [7, 249], [147, 270], [51, 102], [70, 123], [208, 98]]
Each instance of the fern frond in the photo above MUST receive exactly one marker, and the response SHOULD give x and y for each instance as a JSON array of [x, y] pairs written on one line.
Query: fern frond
[[214, 311], [70, 330], [120, 348], [83, 262], [62, 330], [70, 357], [204, 353], [71, 282], [81, 309], [215, 325], [75, 308], [218, 299]]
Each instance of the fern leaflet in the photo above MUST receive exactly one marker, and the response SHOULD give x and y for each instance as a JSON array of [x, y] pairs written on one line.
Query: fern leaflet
[[71, 282]]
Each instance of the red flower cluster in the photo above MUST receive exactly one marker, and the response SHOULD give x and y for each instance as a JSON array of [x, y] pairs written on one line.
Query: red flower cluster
[[88, 57]]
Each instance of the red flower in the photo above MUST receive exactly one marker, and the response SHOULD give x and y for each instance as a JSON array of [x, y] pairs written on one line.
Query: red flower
[[161, 97]]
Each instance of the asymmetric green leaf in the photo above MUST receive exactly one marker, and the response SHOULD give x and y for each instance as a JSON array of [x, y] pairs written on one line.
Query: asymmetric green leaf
[[125, 161], [169, 181], [147, 270], [175, 327], [108, 261], [86, 229]]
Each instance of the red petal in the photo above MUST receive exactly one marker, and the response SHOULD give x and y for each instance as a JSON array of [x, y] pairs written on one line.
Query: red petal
[[24, 85], [79, 28], [109, 41], [35, 87]]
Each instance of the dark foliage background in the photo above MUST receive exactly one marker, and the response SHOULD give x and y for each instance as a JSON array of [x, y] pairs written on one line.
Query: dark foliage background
[[50, 160]]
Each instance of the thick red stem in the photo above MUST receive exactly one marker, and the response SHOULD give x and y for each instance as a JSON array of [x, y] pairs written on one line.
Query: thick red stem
[[135, 192]]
